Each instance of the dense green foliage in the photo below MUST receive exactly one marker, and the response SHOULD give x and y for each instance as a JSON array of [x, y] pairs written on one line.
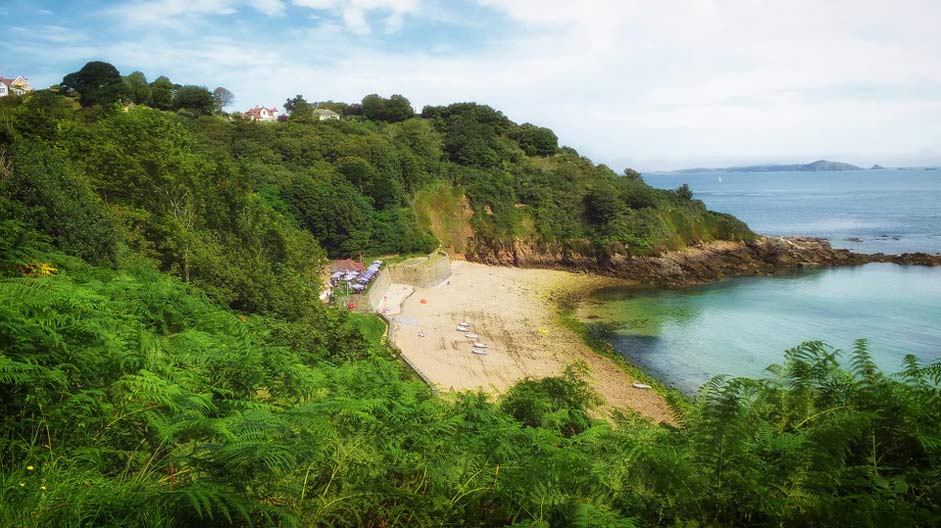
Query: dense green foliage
[[129, 399], [352, 183], [97, 83], [140, 91], [100, 84], [41, 190], [161, 93], [164, 360], [392, 110], [196, 99], [521, 185]]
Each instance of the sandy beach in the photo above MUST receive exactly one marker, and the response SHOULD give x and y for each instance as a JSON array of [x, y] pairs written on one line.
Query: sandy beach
[[511, 311]]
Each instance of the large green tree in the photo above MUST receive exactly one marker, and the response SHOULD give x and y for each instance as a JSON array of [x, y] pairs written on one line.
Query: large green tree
[[536, 140], [299, 109], [139, 89], [222, 98], [196, 99], [392, 110], [162, 90], [97, 83]]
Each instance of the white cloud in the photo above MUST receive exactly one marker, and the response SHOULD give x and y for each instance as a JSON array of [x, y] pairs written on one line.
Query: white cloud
[[167, 13], [355, 21], [734, 79], [654, 85], [268, 7], [647, 86], [354, 12], [178, 13]]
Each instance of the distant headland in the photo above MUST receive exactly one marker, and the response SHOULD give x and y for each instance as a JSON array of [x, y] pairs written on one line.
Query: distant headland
[[817, 166]]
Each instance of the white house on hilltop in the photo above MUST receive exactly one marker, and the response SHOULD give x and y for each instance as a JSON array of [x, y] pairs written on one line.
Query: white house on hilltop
[[260, 113], [18, 86], [323, 114]]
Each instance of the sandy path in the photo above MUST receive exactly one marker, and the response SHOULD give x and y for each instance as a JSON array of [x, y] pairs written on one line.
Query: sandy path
[[510, 309]]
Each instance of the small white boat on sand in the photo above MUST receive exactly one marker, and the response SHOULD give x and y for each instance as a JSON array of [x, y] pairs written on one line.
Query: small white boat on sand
[[479, 351], [471, 336], [478, 344], [640, 385]]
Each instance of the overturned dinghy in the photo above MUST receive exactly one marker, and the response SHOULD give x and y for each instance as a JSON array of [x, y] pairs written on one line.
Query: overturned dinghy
[[478, 344], [479, 351], [640, 385], [471, 336]]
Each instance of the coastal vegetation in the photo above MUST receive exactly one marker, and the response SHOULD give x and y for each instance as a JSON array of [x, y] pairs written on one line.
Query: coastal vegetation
[[165, 361]]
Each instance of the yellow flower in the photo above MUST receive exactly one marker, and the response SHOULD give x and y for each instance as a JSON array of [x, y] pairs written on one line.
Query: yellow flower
[[42, 488], [29, 468], [22, 484]]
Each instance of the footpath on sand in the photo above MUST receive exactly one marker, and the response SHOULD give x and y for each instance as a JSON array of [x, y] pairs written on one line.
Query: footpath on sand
[[511, 312]]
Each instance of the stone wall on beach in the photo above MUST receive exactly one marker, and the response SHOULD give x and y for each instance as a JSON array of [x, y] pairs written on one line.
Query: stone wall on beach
[[422, 272]]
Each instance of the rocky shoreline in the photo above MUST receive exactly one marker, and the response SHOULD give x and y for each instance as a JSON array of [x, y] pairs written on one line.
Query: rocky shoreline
[[705, 262]]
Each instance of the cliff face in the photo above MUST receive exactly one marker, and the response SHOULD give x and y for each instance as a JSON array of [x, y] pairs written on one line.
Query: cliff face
[[702, 263]]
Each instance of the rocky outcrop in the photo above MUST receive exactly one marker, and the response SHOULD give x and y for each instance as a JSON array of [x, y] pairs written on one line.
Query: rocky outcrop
[[705, 262], [911, 259]]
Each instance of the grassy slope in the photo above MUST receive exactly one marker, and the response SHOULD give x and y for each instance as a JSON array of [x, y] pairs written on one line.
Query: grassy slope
[[442, 210]]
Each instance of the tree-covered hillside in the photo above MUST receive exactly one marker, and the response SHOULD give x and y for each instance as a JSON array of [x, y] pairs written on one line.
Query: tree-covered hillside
[[351, 183], [164, 360]]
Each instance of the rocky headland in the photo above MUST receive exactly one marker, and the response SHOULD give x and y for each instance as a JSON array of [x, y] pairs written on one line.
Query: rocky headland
[[705, 262]]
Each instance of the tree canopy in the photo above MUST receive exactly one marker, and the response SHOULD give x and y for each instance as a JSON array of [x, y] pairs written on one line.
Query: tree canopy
[[299, 109], [196, 99], [162, 93], [537, 141], [140, 91], [97, 83], [222, 98], [392, 110]]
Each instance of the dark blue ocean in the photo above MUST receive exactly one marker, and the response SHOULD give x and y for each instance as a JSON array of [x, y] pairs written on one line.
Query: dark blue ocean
[[891, 211], [740, 326]]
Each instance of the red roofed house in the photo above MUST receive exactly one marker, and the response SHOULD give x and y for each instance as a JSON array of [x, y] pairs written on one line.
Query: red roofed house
[[18, 86], [260, 113], [345, 265]]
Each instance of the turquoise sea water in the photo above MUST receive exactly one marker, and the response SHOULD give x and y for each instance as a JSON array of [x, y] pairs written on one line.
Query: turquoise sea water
[[890, 211], [741, 326]]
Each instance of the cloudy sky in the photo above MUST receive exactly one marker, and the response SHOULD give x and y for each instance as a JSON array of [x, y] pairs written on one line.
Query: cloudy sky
[[649, 84]]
